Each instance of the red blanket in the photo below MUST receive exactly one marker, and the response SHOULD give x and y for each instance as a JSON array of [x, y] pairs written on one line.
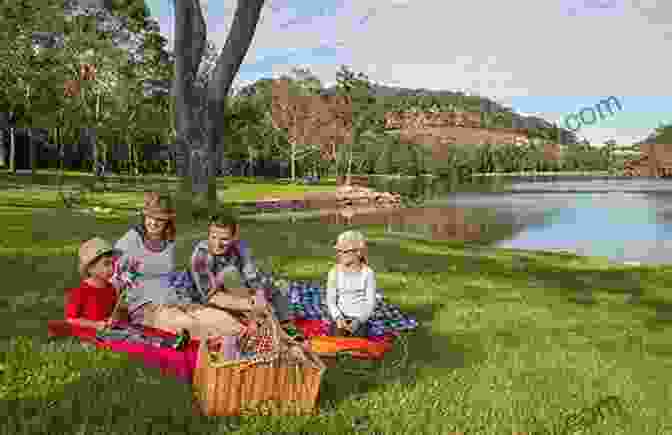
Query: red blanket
[[171, 362]]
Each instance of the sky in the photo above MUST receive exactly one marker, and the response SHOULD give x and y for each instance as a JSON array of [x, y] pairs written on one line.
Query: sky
[[548, 58]]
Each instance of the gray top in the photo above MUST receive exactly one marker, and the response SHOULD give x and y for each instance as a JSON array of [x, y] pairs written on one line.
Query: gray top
[[154, 264]]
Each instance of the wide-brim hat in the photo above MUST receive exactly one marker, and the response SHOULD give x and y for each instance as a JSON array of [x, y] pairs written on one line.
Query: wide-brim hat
[[159, 206], [91, 250]]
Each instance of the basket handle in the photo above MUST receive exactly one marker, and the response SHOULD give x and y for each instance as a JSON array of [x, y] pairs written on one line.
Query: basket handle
[[202, 351], [280, 335]]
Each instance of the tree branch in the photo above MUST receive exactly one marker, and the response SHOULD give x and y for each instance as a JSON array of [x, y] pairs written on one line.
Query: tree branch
[[190, 33], [237, 43], [190, 40]]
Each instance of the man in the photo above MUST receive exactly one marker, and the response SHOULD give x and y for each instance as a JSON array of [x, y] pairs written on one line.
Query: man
[[223, 264]]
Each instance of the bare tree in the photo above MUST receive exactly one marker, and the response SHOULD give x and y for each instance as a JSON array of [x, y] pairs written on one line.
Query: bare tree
[[199, 126]]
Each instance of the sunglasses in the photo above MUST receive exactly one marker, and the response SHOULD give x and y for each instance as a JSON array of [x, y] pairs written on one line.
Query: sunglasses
[[346, 251]]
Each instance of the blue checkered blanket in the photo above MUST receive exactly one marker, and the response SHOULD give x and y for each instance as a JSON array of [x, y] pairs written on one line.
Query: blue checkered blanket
[[307, 300]]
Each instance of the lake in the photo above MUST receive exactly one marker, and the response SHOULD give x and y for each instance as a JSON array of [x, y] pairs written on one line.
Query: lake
[[625, 220]]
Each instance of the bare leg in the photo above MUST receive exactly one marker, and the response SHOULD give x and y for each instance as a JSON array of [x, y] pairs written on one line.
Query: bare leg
[[198, 320]]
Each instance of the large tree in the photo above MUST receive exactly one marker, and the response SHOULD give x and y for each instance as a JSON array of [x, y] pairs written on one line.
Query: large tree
[[22, 67], [368, 117], [198, 123]]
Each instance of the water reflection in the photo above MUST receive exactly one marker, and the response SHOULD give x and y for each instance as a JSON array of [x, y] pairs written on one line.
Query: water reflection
[[623, 220], [434, 223], [437, 223]]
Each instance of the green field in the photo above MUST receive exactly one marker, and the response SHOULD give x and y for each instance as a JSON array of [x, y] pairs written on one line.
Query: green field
[[509, 340]]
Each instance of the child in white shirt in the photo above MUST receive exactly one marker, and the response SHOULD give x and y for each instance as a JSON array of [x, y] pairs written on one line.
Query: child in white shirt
[[351, 286]]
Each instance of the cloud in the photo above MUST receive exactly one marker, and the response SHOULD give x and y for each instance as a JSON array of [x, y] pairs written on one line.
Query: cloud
[[534, 50]]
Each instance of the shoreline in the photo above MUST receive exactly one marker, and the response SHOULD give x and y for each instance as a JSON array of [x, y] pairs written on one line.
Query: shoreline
[[547, 173]]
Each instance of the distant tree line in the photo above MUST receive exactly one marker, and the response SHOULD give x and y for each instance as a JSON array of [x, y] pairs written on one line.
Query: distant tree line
[[126, 108]]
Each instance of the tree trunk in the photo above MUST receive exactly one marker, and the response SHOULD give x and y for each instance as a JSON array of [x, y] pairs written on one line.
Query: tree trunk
[[88, 139], [32, 151], [59, 147], [12, 150], [4, 154], [195, 141], [293, 161]]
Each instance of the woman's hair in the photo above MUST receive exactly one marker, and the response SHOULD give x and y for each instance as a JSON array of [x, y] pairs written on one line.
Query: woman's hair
[[169, 232]]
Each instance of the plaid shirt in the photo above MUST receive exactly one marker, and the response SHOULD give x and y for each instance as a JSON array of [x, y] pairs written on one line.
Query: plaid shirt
[[210, 271]]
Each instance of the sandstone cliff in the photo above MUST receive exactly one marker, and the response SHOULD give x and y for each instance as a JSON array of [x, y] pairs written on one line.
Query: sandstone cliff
[[655, 160], [327, 121]]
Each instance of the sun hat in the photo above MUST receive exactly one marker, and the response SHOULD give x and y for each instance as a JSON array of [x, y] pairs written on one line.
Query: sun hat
[[159, 206], [91, 250]]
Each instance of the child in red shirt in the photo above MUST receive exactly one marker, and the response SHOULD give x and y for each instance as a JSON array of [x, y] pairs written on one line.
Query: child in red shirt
[[91, 304]]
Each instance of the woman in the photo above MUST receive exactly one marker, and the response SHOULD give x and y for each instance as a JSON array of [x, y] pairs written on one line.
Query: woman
[[157, 303]]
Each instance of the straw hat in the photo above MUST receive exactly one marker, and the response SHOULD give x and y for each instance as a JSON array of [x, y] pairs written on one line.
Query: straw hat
[[91, 250], [159, 206]]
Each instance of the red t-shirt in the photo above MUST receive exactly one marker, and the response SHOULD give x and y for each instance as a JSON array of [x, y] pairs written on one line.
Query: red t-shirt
[[91, 303]]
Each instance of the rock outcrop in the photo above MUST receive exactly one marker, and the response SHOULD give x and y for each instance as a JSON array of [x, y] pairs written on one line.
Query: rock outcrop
[[655, 160], [349, 194], [439, 130], [326, 120]]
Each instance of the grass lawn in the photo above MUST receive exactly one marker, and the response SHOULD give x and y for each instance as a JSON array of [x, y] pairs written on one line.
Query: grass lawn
[[125, 193], [510, 340]]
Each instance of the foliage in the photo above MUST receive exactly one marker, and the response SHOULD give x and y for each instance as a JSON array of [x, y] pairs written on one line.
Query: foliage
[[22, 68], [368, 118], [663, 133], [117, 106]]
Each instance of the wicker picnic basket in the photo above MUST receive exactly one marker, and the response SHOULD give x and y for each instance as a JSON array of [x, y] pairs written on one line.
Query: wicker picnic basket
[[283, 381]]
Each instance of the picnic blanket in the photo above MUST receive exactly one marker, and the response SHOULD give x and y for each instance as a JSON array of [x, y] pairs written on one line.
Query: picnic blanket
[[149, 345], [307, 309], [307, 301]]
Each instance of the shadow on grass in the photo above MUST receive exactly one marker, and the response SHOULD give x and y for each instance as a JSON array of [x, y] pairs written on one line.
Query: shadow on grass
[[662, 317], [426, 350], [102, 402], [119, 399], [543, 270]]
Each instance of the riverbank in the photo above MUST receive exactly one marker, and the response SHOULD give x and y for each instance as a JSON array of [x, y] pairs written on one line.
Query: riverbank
[[510, 341], [125, 193], [545, 173]]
